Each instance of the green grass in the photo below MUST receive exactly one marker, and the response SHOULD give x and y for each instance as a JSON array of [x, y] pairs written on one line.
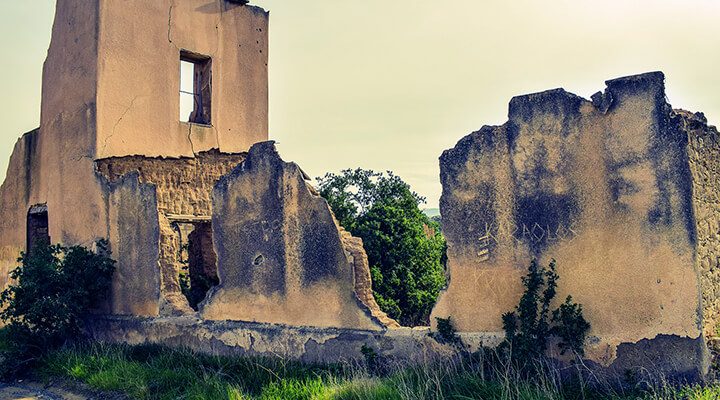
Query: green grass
[[153, 372]]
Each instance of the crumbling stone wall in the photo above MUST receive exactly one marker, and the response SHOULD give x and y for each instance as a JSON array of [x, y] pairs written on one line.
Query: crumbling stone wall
[[184, 186], [704, 157], [363, 280], [280, 252], [603, 187]]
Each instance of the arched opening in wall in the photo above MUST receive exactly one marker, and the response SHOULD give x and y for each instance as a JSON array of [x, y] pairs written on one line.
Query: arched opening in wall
[[199, 270], [37, 233]]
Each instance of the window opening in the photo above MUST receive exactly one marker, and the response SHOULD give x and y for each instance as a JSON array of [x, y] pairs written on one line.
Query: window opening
[[195, 88]]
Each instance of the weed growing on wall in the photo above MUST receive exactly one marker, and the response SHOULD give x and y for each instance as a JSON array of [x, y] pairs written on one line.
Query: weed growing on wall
[[447, 333], [54, 288], [530, 327]]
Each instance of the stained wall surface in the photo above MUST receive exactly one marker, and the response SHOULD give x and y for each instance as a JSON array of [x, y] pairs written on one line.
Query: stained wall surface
[[15, 193], [603, 187], [134, 235], [47, 164], [279, 250]]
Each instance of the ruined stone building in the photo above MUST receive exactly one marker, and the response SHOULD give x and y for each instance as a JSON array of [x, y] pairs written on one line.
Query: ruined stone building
[[154, 135], [622, 191], [145, 106]]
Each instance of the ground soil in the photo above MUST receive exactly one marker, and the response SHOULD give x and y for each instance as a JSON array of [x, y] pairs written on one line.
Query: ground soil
[[57, 390]]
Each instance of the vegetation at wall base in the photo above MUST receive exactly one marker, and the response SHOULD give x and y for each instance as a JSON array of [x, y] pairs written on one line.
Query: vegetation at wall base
[[405, 248], [529, 329], [55, 287], [447, 333], [149, 372]]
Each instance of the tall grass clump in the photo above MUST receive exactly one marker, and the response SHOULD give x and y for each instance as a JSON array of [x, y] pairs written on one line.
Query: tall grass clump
[[153, 372]]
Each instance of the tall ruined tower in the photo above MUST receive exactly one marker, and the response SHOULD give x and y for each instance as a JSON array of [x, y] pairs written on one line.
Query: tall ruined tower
[[120, 62], [144, 105]]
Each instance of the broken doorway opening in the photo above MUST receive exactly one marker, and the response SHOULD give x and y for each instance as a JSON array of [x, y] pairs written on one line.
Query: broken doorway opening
[[38, 233], [198, 271]]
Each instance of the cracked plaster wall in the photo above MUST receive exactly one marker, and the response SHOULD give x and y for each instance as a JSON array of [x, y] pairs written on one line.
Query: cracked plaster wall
[[110, 88], [139, 76], [54, 164], [280, 253], [232, 338]]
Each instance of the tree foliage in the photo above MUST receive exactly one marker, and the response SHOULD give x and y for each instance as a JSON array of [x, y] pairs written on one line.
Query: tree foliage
[[405, 248], [54, 288], [532, 324]]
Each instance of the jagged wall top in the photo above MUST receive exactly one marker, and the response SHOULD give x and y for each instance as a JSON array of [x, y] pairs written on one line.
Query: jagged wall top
[[604, 187]]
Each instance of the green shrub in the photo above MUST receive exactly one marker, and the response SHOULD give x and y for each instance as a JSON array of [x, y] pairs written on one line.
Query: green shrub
[[447, 333], [529, 328], [371, 357], [405, 249], [54, 288]]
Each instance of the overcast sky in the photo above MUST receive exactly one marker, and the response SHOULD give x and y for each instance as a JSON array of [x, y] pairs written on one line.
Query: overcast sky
[[390, 84]]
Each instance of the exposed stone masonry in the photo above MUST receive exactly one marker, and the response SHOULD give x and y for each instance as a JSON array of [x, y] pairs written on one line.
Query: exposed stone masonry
[[363, 281], [184, 188], [704, 157]]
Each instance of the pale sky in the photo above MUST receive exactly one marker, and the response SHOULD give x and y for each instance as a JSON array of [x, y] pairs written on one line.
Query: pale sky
[[390, 84]]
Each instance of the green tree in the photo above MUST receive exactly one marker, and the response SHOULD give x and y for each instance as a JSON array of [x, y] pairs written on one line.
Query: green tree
[[405, 248]]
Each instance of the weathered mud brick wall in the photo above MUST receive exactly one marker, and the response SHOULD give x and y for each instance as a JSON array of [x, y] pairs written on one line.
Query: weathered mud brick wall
[[603, 187], [134, 232], [184, 187], [280, 253], [704, 155]]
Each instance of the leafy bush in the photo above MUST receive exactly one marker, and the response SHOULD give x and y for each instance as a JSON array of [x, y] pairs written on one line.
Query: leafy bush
[[404, 247], [371, 357], [531, 325], [447, 333], [54, 288]]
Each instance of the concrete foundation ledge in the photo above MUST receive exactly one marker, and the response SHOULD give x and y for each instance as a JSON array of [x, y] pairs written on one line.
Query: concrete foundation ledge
[[665, 357], [234, 338]]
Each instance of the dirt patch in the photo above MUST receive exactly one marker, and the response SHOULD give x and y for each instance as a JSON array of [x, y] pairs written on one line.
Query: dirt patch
[[57, 390]]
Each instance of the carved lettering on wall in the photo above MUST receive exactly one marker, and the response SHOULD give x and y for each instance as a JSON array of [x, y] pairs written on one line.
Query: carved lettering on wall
[[494, 234]]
